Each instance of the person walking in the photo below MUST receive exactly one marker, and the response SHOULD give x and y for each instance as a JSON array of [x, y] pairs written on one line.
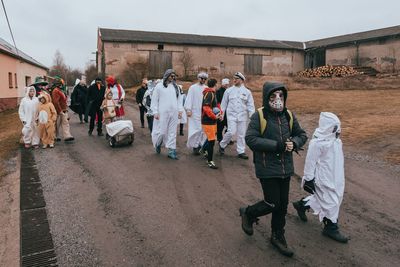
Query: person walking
[[96, 94], [118, 96], [139, 99], [60, 103], [146, 102], [193, 104], [28, 109], [221, 124], [273, 134], [183, 119], [167, 108], [79, 99], [238, 104]]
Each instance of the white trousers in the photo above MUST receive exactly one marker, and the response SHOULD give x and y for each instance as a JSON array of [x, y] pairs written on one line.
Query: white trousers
[[62, 126], [164, 129], [237, 128], [30, 134], [196, 136]]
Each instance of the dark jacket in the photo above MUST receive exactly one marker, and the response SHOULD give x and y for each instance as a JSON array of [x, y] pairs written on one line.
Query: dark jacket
[[209, 103], [220, 94], [270, 159], [95, 98], [79, 98], [139, 94]]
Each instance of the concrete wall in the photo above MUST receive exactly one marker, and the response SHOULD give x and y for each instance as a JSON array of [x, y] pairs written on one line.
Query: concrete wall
[[382, 55], [216, 60], [9, 97]]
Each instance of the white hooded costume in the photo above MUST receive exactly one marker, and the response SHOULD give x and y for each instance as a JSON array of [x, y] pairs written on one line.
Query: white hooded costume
[[325, 163], [167, 103], [193, 103], [28, 112], [238, 105]]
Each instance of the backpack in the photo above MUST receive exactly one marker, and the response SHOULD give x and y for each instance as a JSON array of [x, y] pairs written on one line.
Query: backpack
[[263, 121]]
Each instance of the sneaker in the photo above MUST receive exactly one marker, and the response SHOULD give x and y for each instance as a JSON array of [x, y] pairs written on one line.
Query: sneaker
[[243, 156], [51, 145], [44, 146], [172, 154], [221, 149], [212, 165]]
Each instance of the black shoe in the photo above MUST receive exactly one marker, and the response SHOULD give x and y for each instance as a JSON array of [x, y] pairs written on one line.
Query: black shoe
[[90, 132], [196, 151], [331, 230], [181, 134], [212, 165], [243, 156], [279, 242], [58, 139], [69, 139], [100, 134], [301, 209], [221, 149], [247, 221]]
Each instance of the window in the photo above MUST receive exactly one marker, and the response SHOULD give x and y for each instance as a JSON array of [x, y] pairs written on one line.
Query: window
[[16, 80], [27, 80], [160, 47], [10, 83]]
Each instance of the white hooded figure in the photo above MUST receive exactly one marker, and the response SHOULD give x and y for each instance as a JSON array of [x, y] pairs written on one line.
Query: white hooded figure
[[325, 163], [28, 110], [166, 104], [238, 105], [193, 107]]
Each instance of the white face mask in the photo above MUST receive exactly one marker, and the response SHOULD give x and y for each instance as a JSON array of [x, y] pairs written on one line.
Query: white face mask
[[276, 100]]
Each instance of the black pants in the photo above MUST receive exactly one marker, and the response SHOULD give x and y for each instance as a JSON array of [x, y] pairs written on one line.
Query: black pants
[[99, 121], [220, 128], [150, 122], [142, 110], [276, 199]]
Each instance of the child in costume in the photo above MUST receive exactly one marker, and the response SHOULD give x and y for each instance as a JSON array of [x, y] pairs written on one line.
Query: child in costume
[[324, 176], [47, 116], [27, 113], [108, 106]]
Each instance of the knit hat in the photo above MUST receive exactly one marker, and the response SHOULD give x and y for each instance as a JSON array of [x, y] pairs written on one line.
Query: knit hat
[[202, 75]]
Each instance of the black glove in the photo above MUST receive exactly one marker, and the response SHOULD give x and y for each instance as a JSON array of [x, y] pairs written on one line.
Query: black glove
[[309, 186]]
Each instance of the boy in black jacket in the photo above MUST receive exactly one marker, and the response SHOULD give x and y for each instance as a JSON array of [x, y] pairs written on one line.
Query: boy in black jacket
[[273, 134]]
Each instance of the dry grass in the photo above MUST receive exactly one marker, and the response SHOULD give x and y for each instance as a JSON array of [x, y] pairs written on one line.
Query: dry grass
[[370, 118], [9, 137]]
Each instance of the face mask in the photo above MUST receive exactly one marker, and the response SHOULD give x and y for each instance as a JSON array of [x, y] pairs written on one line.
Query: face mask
[[276, 101]]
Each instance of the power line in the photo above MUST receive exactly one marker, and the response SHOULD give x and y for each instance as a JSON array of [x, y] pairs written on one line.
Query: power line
[[9, 27]]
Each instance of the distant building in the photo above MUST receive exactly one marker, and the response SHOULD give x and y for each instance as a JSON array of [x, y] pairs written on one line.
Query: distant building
[[17, 70], [157, 51], [214, 54]]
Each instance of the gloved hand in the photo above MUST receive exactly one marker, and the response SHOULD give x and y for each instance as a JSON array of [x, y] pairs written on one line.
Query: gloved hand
[[309, 186]]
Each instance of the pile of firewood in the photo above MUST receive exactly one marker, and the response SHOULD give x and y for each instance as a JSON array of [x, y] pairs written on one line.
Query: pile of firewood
[[329, 71]]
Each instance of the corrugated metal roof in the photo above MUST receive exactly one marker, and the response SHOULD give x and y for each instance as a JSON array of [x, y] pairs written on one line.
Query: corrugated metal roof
[[360, 36], [10, 50], [115, 35]]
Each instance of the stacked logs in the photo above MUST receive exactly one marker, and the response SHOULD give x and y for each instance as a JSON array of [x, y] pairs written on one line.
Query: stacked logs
[[329, 71]]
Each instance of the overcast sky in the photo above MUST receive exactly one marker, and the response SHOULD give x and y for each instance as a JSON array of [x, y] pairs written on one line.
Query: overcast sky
[[42, 26]]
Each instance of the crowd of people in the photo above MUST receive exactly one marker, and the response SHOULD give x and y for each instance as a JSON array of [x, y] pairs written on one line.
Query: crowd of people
[[272, 132]]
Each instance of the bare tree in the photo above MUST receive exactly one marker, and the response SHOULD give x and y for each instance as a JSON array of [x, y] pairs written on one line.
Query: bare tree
[[90, 72], [188, 63], [59, 67]]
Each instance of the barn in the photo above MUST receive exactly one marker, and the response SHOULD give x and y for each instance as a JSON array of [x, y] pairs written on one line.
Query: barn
[[153, 52]]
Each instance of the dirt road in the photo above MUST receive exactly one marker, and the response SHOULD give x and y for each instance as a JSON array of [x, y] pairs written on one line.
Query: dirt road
[[130, 207]]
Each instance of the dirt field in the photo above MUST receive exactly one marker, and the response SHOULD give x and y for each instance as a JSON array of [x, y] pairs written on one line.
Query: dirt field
[[9, 137]]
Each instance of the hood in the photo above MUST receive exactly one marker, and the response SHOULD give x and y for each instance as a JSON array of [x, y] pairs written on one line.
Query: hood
[[46, 96], [329, 125], [270, 87], [208, 90], [29, 88], [110, 80]]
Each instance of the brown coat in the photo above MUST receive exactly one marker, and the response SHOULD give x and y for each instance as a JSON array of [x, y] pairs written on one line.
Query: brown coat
[[59, 100], [47, 130]]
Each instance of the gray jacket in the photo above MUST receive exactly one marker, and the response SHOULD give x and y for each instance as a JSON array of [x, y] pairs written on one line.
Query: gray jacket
[[270, 159]]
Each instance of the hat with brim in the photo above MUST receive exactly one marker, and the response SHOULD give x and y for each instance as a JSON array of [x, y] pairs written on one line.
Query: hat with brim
[[39, 81]]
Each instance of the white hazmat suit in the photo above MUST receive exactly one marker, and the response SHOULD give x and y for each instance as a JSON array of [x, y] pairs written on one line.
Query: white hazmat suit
[[28, 110], [238, 105], [193, 103], [167, 104], [325, 163]]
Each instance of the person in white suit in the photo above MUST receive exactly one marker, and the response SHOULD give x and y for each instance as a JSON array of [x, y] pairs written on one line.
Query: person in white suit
[[238, 105], [324, 176], [193, 107], [28, 110], [166, 104]]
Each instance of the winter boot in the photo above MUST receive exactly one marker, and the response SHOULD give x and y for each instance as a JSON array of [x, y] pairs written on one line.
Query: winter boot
[[331, 230], [301, 209], [278, 240], [172, 154], [158, 148], [247, 221]]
